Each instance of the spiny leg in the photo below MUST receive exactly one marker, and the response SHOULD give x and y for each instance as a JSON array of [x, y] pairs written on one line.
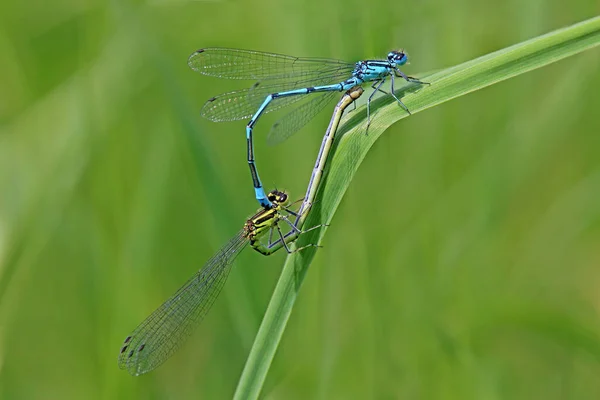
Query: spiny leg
[[304, 209], [377, 89], [309, 229], [306, 247], [287, 208], [282, 238], [397, 99], [407, 78], [315, 227], [295, 214], [370, 98], [295, 202], [270, 236], [270, 242], [295, 228], [291, 224]]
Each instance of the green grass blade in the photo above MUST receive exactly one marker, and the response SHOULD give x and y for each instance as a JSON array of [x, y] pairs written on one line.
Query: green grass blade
[[352, 145]]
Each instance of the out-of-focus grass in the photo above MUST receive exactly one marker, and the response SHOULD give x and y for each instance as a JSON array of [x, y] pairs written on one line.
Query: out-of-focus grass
[[473, 274]]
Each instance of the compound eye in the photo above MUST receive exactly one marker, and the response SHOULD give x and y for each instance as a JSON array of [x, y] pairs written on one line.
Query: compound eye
[[402, 59], [277, 197], [273, 196], [391, 56]]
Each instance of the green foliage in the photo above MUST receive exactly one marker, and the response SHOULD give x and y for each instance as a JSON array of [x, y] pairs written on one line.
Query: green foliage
[[462, 263]]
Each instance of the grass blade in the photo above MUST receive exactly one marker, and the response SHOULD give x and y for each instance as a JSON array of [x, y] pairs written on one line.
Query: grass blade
[[352, 145]]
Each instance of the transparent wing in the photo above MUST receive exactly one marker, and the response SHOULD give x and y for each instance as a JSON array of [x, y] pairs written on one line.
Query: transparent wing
[[298, 117], [256, 65], [161, 334], [242, 104]]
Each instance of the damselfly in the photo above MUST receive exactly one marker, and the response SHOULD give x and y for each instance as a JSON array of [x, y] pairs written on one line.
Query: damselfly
[[161, 334], [283, 80]]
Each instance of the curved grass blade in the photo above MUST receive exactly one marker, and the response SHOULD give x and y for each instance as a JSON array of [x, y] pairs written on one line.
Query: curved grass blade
[[352, 146]]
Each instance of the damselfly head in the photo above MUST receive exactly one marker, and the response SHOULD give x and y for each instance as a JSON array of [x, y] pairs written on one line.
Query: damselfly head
[[280, 198], [398, 57]]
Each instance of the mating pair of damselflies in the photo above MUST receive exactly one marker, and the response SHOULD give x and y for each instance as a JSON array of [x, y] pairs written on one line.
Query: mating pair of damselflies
[[288, 78], [161, 334]]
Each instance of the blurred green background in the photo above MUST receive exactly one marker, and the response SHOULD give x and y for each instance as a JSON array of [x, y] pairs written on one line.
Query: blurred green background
[[463, 262]]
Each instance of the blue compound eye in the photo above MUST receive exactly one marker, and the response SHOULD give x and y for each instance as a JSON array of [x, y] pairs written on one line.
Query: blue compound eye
[[397, 57], [403, 59]]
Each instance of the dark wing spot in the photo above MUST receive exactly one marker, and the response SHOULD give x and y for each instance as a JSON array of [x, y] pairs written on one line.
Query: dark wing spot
[[142, 347], [211, 99], [130, 354], [123, 349]]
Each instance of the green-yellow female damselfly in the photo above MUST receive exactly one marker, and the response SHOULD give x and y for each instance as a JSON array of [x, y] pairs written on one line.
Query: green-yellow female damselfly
[[163, 332]]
